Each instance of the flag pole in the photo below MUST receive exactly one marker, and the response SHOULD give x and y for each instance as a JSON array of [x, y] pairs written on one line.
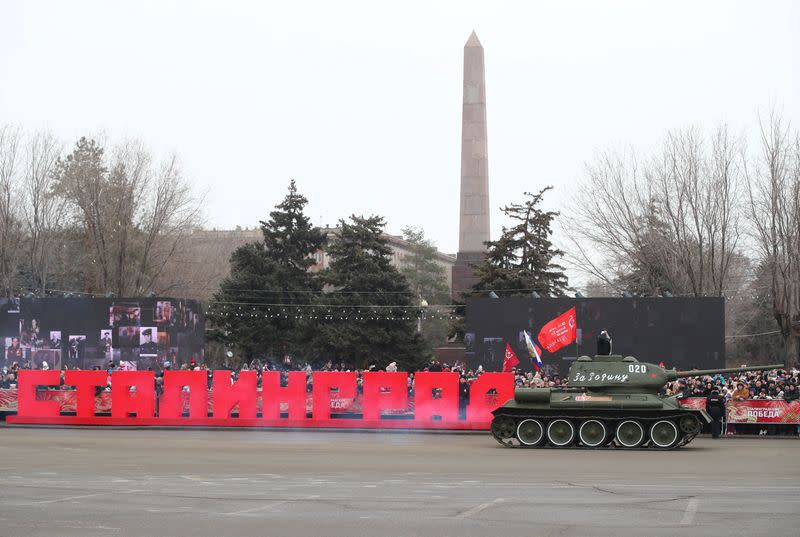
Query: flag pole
[[577, 353]]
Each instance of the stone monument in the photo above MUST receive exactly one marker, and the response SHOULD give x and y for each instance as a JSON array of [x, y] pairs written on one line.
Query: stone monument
[[474, 209]]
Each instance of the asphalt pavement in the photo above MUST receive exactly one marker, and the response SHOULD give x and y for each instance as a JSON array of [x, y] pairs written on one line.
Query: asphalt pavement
[[150, 482]]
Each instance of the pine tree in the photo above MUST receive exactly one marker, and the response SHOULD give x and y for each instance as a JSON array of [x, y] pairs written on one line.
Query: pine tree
[[522, 259], [428, 282], [371, 318], [253, 309]]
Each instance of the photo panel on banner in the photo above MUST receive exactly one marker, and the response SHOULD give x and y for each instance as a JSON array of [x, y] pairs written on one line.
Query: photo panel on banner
[[90, 333]]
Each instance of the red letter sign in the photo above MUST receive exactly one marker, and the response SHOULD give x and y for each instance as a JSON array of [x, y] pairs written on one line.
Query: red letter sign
[[172, 404], [480, 405], [244, 392], [425, 406], [85, 382], [384, 391], [124, 402], [272, 395], [323, 382], [27, 405]]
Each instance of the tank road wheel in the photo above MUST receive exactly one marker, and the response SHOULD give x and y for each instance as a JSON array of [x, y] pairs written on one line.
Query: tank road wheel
[[592, 433], [664, 434], [630, 434], [560, 432], [503, 427], [690, 424], [530, 432]]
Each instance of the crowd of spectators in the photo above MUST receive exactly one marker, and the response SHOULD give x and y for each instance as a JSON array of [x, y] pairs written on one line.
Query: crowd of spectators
[[773, 384]]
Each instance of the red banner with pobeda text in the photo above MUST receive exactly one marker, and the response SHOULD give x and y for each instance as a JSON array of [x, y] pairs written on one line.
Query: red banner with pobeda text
[[754, 410]]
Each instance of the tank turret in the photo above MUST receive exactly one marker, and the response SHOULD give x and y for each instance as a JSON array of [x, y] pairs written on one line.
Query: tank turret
[[610, 400], [620, 374]]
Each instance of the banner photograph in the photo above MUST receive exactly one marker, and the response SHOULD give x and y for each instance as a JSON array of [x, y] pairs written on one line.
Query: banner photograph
[[86, 333]]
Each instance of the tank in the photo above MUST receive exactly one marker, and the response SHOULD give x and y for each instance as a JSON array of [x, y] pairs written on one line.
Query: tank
[[609, 401]]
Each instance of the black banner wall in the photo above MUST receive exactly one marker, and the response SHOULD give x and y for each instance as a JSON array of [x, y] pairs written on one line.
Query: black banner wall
[[682, 332], [136, 333]]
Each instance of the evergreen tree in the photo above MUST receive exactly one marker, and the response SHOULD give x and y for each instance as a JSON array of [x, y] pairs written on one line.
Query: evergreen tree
[[428, 282], [370, 313], [253, 309], [522, 259]]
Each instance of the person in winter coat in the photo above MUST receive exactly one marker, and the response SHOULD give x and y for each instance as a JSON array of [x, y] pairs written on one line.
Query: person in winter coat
[[715, 406], [741, 392], [604, 343]]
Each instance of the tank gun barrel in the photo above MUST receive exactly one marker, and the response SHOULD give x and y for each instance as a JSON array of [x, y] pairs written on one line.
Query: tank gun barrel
[[699, 372]]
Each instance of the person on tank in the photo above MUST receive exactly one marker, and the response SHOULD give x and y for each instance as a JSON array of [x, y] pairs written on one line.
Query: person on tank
[[604, 343]]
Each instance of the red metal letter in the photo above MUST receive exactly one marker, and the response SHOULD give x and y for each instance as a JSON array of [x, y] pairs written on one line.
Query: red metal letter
[[376, 398], [323, 382], [172, 404], [124, 402], [85, 382], [425, 406], [27, 405], [272, 395], [243, 392], [480, 404]]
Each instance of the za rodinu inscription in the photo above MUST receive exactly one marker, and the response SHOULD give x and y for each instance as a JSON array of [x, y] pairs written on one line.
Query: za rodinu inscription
[[591, 376]]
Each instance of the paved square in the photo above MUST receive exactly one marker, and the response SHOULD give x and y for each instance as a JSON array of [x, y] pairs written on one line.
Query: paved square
[[87, 482]]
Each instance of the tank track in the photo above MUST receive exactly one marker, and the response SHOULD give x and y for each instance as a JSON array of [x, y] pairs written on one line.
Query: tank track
[[500, 428]]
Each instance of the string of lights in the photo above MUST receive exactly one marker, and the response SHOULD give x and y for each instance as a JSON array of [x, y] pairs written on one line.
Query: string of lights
[[363, 312], [351, 312]]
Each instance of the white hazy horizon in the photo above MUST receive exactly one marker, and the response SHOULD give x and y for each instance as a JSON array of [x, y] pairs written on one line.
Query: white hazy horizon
[[360, 103]]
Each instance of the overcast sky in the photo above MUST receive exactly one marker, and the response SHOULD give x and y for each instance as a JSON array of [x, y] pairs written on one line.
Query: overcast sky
[[361, 102]]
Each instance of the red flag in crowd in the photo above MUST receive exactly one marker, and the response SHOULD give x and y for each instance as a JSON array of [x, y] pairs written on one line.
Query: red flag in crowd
[[510, 359], [559, 332]]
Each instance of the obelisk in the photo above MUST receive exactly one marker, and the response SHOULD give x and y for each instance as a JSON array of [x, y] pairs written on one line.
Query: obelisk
[[474, 210]]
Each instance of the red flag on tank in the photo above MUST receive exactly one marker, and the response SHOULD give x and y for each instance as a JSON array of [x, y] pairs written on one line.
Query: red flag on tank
[[559, 332], [510, 360]]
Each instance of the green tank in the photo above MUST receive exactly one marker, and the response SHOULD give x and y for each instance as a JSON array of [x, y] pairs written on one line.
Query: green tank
[[609, 401]]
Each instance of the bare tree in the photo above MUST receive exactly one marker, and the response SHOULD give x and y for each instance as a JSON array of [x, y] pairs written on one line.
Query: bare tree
[[774, 195], [133, 214], [10, 223], [43, 210], [671, 224], [698, 192], [170, 212], [128, 184]]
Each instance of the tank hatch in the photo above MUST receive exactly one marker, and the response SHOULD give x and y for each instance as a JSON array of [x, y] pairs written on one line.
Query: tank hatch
[[613, 358]]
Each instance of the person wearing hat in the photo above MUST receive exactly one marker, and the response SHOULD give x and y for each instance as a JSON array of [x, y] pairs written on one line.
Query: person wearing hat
[[715, 406], [147, 345]]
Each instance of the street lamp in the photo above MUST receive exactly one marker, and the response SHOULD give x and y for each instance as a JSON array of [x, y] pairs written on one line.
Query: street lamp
[[422, 304]]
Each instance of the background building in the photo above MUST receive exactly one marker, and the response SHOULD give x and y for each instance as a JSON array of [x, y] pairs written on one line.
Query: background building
[[205, 260]]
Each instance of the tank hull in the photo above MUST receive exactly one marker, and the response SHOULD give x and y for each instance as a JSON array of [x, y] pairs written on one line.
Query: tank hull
[[575, 419], [609, 401]]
